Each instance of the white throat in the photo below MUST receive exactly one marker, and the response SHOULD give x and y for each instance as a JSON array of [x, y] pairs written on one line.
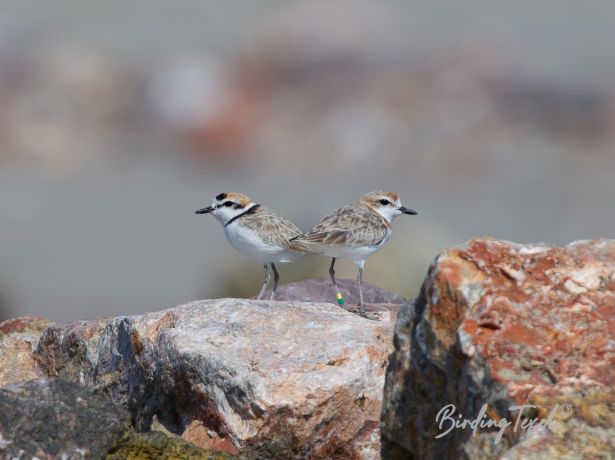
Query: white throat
[[389, 213]]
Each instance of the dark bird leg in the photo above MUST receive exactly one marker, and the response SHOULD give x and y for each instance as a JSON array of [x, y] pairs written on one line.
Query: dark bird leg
[[265, 282], [338, 294], [276, 278]]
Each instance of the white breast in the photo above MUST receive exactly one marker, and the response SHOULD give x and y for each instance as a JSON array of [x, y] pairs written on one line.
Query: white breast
[[249, 242]]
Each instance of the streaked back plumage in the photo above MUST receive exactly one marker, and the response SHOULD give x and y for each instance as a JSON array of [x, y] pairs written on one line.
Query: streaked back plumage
[[273, 229], [355, 224]]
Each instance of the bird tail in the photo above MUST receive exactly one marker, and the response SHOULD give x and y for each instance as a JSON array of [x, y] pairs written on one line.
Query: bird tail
[[297, 245]]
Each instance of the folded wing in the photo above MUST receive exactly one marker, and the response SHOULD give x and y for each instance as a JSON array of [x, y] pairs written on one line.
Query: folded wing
[[351, 225], [275, 231]]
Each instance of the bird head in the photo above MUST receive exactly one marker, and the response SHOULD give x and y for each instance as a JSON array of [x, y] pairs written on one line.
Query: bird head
[[387, 204], [227, 205]]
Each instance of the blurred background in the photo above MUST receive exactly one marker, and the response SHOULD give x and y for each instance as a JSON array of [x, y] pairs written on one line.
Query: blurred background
[[119, 119]]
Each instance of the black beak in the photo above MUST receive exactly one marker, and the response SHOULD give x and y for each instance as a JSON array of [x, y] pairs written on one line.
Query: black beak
[[206, 210], [408, 211]]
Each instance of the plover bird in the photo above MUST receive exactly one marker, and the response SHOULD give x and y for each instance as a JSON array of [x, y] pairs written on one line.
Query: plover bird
[[354, 232], [256, 231]]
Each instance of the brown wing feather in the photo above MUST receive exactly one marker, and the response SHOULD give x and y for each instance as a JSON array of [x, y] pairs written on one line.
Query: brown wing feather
[[351, 225], [272, 228]]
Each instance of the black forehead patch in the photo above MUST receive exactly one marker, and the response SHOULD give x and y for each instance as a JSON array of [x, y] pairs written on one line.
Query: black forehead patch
[[221, 196]]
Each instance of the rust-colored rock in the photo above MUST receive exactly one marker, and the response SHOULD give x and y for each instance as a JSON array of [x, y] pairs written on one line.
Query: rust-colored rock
[[18, 339], [504, 324], [258, 378]]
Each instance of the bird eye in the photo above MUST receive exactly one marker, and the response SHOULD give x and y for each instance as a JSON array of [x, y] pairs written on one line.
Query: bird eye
[[384, 202], [228, 203]]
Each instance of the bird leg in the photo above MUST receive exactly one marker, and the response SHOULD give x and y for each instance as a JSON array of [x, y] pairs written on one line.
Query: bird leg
[[359, 281], [338, 294], [276, 278], [265, 282]]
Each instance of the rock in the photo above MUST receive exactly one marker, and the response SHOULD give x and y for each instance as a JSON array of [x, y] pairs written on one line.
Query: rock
[[321, 290], [262, 379], [52, 419], [504, 324], [157, 445], [49, 419], [18, 339]]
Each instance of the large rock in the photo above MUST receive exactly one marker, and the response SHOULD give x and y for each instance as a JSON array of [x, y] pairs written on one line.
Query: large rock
[[49, 419], [18, 339], [261, 378], [321, 290], [504, 324]]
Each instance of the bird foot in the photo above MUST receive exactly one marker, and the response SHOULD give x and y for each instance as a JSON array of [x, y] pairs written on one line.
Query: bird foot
[[360, 310]]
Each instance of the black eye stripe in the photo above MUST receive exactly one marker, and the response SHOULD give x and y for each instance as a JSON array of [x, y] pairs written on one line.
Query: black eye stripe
[[228, 204]]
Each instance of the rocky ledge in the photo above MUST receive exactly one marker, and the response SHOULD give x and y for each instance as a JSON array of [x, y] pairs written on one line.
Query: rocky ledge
[[321, 290], [503, 325], [496, 325], [256, 379]]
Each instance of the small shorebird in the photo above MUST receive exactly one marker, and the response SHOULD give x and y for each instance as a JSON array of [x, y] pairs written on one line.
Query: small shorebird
[[257, 232], [354, 232]]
